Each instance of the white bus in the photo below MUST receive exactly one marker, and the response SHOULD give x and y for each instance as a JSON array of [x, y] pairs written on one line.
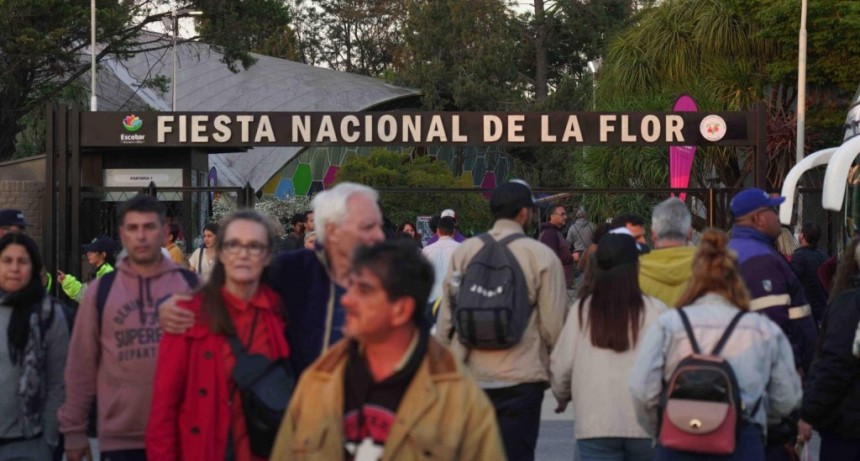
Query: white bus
[[841, 191]]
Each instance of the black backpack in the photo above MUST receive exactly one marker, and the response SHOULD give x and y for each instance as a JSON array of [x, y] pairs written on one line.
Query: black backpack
[[701, 410], [492, 307]]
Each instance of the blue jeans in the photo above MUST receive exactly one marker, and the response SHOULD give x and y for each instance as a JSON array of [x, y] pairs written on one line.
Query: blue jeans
[[750, 447], [615, 449], [518, 415]]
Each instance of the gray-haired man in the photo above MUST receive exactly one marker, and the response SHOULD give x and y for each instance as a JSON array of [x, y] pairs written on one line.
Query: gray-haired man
[[664, 272]]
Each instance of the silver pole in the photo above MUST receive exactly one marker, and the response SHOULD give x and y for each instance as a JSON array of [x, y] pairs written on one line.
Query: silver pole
[[175, 27], [801, 84], [93, 98]]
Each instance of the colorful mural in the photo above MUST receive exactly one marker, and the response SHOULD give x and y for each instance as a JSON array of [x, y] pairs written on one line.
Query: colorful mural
[[315, 168]]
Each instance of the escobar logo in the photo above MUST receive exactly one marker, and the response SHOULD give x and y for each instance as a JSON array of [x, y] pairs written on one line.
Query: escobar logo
[[132, 123]]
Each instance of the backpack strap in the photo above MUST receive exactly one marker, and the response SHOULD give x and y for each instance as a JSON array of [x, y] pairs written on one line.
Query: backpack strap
[[722, 342], [686, 321], [105, 283], [200, 260], [190, 278], [505, 241]]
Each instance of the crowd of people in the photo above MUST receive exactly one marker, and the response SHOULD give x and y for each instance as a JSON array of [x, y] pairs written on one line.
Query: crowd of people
[[344, 341]]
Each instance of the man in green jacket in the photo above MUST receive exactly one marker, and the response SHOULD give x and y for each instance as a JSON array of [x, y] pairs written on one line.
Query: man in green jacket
[[664, 272], [388, 390]]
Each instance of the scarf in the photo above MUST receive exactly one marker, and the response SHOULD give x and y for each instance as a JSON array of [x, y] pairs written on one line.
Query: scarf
[[31, 387]]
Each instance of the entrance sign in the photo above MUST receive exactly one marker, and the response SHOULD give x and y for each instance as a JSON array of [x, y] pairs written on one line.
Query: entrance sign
[[140, 178], [271, 129]]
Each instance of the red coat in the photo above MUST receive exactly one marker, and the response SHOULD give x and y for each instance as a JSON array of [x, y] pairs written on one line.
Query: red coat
[[190, 417]]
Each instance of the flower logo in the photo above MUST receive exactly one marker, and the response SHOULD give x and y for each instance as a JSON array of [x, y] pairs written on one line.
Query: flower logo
[[132, 123], [713, 128]]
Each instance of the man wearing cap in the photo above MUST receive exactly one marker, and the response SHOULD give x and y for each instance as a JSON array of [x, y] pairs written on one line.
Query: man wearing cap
[[458, 237], [515, 378], [12, 220], [99, 256], [774, 289]]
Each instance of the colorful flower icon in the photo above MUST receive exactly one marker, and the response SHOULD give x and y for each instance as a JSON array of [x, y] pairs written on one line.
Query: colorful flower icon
[[132, 123]]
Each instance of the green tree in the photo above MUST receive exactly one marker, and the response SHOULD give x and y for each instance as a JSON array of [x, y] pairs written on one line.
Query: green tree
[[560, 46], [462, 53], [42, 43], [358, 36], [384, 169]]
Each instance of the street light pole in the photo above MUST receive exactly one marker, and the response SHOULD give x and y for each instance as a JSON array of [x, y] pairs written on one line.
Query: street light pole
[[593, 67], [175, 33], [93, 98], [801, 84]]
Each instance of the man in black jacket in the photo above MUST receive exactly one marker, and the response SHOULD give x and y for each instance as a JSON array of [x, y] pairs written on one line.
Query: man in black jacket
[[805, 263], [831, 397]]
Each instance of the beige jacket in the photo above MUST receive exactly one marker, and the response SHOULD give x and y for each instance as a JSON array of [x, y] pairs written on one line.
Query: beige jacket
[[528, 361], [595, 379], [443, 415]]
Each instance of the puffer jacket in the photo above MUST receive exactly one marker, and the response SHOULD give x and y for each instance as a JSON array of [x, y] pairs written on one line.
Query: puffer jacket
[[757, 350], [831, 400]]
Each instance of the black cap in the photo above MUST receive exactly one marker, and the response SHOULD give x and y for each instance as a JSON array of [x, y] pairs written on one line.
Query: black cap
[[514, 193], [12, 217], [616, 249], [100, 244]]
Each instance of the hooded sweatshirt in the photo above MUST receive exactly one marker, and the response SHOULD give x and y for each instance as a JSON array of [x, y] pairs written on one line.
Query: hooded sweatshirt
[[112, 356], [664, 272]]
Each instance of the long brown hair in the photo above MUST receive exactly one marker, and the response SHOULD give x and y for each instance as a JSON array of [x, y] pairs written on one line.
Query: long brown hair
[[847, 270], [616, 307], [214, 310], [715, 270]]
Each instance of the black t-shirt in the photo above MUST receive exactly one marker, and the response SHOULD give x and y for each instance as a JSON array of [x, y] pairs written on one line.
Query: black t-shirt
[[370, 408]]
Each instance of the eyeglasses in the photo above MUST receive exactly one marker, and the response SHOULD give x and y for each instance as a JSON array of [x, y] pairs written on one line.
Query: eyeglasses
[[563, 213], [234, 247]]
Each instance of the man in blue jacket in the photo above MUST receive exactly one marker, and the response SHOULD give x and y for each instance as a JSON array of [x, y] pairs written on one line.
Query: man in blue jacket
[[774, 289]]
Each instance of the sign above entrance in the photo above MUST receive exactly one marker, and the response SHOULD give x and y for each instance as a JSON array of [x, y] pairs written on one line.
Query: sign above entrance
[[271, 129]]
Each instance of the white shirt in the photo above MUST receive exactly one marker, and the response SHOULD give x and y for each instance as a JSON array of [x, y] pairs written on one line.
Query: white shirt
[[439, 254]]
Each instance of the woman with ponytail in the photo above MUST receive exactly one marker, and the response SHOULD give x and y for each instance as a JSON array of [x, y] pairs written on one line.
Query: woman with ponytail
[[592, 358], [34, 342], [757, 350]]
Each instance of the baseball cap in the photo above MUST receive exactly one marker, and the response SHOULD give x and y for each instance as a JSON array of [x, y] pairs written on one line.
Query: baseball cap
[[449, 213], [616, 249], [99, 244], [515, 192], [12, 217], [751, 199]]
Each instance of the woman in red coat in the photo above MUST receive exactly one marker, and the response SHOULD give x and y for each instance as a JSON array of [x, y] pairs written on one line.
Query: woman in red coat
[[196, 409]]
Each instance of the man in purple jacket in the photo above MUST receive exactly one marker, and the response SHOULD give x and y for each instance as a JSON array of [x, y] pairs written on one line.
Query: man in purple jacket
[[552, 236]]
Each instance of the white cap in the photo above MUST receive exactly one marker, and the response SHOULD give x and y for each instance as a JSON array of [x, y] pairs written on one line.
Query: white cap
[[449, 213]]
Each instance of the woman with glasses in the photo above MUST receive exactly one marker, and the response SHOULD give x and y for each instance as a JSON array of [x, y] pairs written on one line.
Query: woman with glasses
[[34, 341], [197, 411]]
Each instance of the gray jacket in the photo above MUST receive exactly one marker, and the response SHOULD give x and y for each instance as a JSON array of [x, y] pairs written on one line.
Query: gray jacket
[[757, 350]]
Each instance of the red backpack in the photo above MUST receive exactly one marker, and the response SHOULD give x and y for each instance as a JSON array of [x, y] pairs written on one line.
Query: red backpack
[[701, 410]]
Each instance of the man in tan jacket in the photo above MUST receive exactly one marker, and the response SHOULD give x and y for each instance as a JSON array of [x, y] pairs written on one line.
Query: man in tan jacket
[[514, 378], [388, 391]]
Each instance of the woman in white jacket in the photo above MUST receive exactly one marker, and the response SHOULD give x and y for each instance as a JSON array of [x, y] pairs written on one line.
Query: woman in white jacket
[[593, 357], [757, 350]]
